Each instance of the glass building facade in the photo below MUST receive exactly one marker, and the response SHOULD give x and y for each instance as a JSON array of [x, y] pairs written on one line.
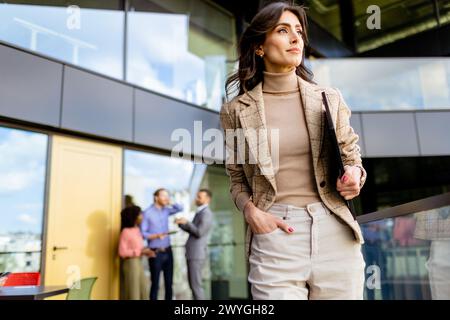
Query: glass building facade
[[407, 257], [23, 165], [182, 49], [380, 84], [87, 37], [185, 49], [23, 198]]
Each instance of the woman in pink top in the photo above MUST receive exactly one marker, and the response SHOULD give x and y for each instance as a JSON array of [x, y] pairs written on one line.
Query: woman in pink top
[[131, 249]]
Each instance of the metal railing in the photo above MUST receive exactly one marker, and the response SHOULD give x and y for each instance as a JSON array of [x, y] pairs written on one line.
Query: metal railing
[[407, 250], [429, 203]]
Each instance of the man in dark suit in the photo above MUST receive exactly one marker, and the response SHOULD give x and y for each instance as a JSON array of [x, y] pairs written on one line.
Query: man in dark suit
[[196, 245]]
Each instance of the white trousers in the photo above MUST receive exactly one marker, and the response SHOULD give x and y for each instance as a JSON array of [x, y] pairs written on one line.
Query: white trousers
[[320, 260], [438, 266]]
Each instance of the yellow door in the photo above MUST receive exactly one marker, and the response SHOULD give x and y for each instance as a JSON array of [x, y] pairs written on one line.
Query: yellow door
[[84, 215]]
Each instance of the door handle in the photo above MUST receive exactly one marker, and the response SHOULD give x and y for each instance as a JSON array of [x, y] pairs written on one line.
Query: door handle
[[55, 248]]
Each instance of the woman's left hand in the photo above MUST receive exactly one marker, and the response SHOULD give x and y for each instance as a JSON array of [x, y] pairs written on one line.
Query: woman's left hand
[[348, 186]]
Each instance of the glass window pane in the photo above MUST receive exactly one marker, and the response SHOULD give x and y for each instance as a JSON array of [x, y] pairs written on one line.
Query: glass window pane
[[95, 4], [388, 84], [395, 181], [90, 38], [224, 274], [22, 187], [228, 265], [146, 172], [408, 257], [180, 49]]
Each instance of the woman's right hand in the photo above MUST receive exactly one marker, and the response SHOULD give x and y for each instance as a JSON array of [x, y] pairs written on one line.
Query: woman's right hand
[[262, 222]]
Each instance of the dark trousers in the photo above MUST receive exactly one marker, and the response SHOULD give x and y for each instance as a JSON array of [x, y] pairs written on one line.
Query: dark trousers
[[162, 262]]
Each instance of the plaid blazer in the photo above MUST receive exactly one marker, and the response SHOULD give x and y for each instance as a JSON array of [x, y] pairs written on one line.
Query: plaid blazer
[[433, 224], [256, 180]]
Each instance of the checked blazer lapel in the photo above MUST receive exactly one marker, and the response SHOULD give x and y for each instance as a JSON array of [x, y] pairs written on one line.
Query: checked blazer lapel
[[313, 108], [253, 122]]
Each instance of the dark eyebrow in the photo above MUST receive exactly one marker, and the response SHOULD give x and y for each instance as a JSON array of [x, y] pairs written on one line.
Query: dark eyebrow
[[286, 24]]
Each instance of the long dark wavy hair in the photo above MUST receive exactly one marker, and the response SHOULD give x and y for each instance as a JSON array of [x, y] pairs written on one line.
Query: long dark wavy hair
[[250, 70]]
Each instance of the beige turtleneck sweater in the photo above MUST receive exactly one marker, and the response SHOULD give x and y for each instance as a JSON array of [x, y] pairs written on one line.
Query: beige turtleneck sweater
[[284, 111]]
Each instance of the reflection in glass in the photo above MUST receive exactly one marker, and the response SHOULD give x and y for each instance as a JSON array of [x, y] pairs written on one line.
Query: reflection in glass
[[22, 185], [170, 50], [159, 59], [173, 52], [228, 265], [388, 84], [408, 257], [89, 38], [434, 226]]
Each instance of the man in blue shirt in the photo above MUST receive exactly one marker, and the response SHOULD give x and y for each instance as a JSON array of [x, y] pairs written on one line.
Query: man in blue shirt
[[155, 228]]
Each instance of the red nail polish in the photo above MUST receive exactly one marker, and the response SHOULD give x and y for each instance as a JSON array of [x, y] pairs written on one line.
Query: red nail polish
[[291, 230]]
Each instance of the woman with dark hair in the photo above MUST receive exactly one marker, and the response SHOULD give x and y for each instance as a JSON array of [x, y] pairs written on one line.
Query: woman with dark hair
[[131, 249], [302, 241]]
